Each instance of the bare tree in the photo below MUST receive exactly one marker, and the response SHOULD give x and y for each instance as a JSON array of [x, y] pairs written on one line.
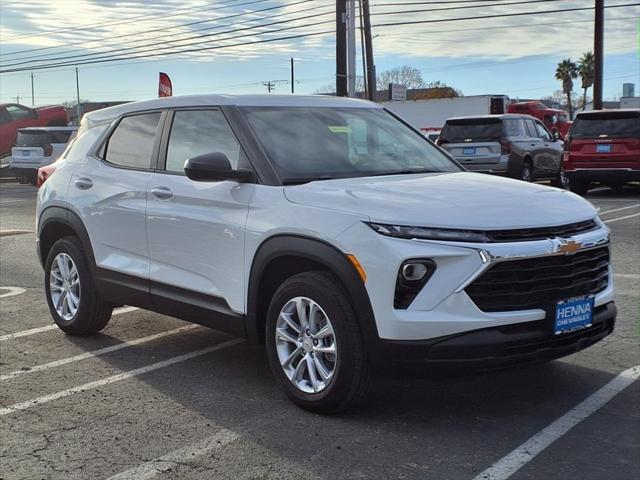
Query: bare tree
[[410, 77]]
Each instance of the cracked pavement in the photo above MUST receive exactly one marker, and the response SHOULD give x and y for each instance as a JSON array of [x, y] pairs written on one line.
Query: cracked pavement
[[221, 416]]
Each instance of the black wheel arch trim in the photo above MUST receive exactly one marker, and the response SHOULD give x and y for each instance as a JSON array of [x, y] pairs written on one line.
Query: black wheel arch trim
[[319, 251]]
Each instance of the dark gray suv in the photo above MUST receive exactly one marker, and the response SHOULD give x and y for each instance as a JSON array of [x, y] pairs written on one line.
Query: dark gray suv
[[518, 146]]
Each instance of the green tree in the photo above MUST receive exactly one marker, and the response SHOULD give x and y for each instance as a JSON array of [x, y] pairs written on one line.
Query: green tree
[[566, 72], [586, 66]]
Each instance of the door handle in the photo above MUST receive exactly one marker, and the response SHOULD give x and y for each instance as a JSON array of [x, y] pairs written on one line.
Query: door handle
[[162, 193], [83, 183]]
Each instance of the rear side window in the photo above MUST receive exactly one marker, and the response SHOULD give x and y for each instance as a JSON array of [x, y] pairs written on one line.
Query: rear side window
[[607, 124], [512, 127], [198, 132], [471, 130], [131, 143]]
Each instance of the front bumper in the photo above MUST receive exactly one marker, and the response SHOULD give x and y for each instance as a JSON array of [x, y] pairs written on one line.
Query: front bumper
[[443, 308], [495, 347]]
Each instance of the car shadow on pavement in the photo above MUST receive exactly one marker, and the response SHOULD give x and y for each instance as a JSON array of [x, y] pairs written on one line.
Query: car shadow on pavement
[[447, 426]]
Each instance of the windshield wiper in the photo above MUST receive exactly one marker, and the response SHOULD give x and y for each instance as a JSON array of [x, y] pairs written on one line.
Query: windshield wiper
[[303, 180], [406, 172]]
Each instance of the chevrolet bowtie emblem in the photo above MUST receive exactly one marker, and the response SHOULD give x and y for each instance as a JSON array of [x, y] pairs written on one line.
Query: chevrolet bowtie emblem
[[569, 247]]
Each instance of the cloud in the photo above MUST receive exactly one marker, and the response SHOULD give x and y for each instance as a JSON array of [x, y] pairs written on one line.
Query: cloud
[[113, 28]]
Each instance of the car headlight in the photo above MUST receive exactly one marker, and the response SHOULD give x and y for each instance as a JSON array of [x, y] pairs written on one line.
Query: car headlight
[[427, 233]]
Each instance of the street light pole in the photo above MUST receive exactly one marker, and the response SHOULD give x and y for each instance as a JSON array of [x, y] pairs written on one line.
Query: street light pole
[[293, 78], [33, 98], [78, 108]]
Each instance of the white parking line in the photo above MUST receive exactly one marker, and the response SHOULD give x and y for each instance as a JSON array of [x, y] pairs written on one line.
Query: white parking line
[[526, 452], [116, 378], [96, 353], [152, 468], [7, 233], [618, 209], [32, 331], [633, 276], [622, 218], [13, 291]]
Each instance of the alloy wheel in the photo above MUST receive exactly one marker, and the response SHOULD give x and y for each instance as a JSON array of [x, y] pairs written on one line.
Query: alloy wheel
[[64, 283], [306, 345]]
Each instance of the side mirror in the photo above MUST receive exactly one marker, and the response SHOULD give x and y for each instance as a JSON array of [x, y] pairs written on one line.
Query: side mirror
[[214, 167], [556, 135]]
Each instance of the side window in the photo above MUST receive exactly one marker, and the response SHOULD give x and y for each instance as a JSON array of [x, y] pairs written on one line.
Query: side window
[[131, 143], [530, 128], [542, 132], [4, 116], [18, 113], [512, 127], [196, 132]]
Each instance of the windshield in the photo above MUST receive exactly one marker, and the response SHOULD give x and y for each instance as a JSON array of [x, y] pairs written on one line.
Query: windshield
[[607, 124], [321, 143], [461, 130]]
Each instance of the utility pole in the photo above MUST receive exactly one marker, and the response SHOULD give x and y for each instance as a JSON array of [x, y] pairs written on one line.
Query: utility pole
[[78, 107], [351, 48], [270, 85], [17, 98], [598, 51], [33, 98], [293, 78], [368, 42], [363, 55], [341, 48]]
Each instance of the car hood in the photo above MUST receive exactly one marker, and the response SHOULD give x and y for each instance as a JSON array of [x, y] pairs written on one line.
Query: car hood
[[450, 200]]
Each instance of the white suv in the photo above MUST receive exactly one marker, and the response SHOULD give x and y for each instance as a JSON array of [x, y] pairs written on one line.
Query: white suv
[[325, 227]]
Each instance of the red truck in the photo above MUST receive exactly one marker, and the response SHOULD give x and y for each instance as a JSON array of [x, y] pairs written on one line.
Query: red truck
[[14, 116], [552, 118]]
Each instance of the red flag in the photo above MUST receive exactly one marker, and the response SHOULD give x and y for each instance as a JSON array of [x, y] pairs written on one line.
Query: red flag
[[164, 88]]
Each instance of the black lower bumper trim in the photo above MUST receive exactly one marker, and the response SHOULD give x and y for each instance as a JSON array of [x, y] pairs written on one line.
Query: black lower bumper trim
[[604, 175], [505, 345]]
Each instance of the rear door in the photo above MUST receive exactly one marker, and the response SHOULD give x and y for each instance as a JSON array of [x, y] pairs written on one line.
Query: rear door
[[534, 146], [474, 142], [196, 230], [110, 192]]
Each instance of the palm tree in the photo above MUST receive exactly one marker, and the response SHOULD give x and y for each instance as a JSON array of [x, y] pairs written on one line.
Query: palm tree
[[566, 72], [586, 66]]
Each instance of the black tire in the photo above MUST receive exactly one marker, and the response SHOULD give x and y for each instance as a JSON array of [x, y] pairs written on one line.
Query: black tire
[[526, 172], [351, 378], [93, 313], [581, 187]]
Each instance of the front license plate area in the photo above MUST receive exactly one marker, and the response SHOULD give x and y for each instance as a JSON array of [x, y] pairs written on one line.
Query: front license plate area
[[574, 314], [26, 153], [469, 151], [603, 148]]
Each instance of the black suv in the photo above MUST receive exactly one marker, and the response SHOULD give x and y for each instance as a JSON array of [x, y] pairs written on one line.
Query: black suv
[[518, 146]]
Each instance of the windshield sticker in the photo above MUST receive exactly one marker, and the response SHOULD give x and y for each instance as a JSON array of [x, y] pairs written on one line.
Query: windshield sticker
[[340, 128]]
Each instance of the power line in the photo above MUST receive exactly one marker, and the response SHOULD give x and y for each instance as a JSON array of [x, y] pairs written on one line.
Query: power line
[[217, 47], [154, 46], [155, 49], [463, 7], [164, 29], [136, 19], [193, 50], [517, 14]]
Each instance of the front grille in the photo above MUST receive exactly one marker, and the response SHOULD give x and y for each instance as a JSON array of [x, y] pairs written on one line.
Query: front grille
[[527, 234], [540, 282]]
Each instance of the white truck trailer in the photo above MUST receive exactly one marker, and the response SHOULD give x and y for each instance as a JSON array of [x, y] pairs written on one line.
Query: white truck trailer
[[430, 115]]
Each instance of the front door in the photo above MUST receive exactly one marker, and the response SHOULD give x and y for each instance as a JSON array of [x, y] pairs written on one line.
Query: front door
[[196, 230]]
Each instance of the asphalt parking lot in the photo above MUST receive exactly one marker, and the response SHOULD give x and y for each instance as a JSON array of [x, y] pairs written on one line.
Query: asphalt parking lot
[[153, 397]]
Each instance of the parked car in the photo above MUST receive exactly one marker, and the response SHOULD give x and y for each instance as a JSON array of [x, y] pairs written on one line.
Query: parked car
[[14, 116], [324, 227], [37, 147], [603, 146], [518, 146], [432, 134]]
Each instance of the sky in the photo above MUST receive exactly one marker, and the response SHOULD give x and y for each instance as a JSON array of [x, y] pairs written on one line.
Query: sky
[[514, 55]]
